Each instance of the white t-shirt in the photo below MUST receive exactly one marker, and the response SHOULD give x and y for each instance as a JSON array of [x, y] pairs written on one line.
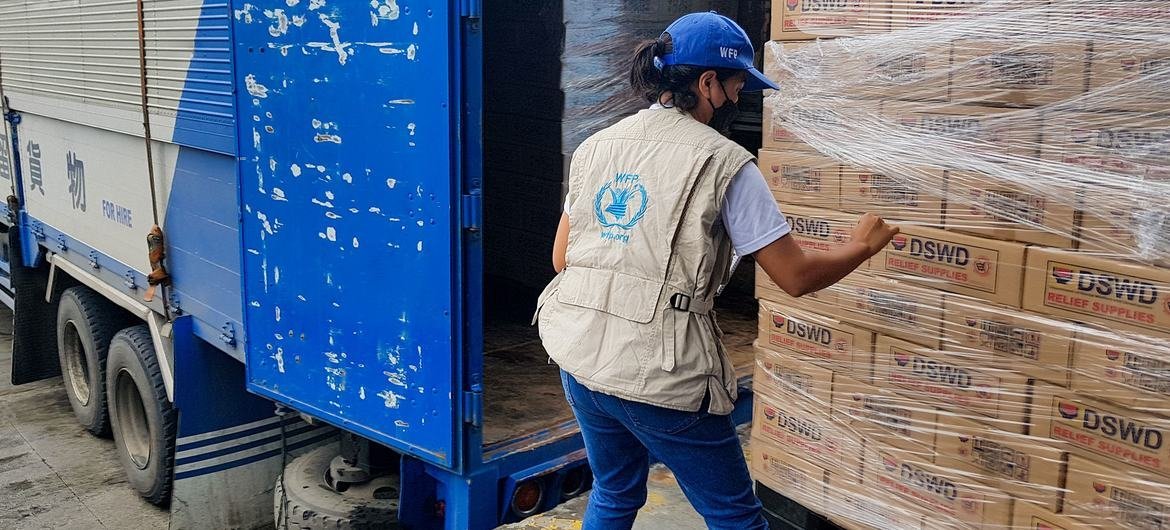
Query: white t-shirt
[[750, 213]]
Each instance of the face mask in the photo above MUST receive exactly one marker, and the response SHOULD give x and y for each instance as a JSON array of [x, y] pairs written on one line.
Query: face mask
[[723, 116]]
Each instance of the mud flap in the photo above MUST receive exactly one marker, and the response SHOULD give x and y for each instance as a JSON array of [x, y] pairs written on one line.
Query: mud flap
[[228, 451], [34, 330]]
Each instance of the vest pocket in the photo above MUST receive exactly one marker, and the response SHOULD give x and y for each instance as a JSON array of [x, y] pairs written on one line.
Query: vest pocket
[[615, 293], [587, 343]]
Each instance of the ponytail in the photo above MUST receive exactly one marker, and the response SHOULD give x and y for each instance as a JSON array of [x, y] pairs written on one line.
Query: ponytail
[[645, 76]]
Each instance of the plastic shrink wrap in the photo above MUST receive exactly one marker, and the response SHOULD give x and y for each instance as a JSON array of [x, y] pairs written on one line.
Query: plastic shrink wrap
[[1005, 361]]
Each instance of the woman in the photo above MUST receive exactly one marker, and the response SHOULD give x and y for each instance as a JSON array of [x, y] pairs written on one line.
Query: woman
[[656, 205]]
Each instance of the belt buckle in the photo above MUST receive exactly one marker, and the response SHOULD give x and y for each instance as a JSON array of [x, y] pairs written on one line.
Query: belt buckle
[[680, 302]]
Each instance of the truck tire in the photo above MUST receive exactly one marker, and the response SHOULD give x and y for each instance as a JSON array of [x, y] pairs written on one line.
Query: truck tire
[[142, 418], [85, 324], [304, 498]]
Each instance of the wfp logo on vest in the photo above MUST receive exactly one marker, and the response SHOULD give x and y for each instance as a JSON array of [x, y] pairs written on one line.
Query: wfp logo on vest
[[620, 205]]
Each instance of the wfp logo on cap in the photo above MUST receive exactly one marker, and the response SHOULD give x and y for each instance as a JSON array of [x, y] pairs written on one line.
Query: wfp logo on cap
[[621, 202]]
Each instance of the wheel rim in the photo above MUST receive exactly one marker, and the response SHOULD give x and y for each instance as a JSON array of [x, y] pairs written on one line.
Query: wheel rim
[[76, 366], [132, 420]]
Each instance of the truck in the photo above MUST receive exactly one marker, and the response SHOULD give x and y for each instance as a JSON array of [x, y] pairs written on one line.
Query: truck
[[262, 243]]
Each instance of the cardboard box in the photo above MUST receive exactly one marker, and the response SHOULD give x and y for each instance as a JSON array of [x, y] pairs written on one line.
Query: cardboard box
[[1108, 292], [1113, 219], [781, 375], [804, 429], [809, 19], [1025, 467], [802, 178], [891, 307], [984, 268], [915, 196], [989, 206], [885, 416], [915, 73], [1013, 71], [962, 383], [1128, 72], [1127, 372], [1116, 142], [778, 469], [819, 230], [777, 136], [950, 498], [918, 13], [1100, 430], [1028, 516], [1107, 497], [1123, 232], [855, 507], [845, 347], [1042, 344], [965, 128]]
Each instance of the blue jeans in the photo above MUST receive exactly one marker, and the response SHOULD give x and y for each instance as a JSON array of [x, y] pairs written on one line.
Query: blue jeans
[[701, 449]]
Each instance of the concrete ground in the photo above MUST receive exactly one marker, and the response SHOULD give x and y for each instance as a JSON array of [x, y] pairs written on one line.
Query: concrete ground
[[54, 474]]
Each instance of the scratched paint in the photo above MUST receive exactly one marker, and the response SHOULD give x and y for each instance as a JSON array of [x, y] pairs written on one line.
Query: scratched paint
[[397, 378], [335, 379], [392, 400], [341, 48], [280, 23], [244, 14], [279, 358], [316, 4], [255, 88], [265, 223]]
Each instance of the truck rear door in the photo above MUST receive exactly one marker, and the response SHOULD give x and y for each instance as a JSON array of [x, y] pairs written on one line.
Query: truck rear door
[[350, 178]]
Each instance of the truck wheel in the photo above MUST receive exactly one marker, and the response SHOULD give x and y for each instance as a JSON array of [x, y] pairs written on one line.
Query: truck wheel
[[305, 497], [85, 324], [144, 422]]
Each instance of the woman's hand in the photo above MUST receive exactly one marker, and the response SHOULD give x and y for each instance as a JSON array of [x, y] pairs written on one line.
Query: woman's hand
[[873, 232]]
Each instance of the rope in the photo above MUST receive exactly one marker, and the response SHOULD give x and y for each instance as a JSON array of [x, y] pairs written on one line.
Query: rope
[[144, 92], [155, 242]]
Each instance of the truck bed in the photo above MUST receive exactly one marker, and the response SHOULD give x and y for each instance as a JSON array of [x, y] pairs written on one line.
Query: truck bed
[[523, 391]]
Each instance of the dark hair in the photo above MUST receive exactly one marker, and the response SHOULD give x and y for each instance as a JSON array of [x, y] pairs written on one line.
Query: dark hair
[[651, 83]]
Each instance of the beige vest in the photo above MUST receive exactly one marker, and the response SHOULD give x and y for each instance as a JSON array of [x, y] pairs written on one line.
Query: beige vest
[[631, 315]]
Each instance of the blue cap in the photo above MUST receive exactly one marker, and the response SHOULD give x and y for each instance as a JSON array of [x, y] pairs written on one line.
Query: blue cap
[[715, 41]]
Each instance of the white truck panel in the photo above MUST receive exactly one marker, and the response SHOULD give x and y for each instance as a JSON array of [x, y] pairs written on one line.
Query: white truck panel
[[78, 60], [92, 184]]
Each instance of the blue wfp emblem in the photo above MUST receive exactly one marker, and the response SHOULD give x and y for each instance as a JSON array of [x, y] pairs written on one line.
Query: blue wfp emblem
[[620, 205]]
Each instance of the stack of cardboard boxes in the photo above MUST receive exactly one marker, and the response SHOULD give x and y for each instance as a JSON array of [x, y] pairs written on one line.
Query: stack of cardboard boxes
[[1005, 361]]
